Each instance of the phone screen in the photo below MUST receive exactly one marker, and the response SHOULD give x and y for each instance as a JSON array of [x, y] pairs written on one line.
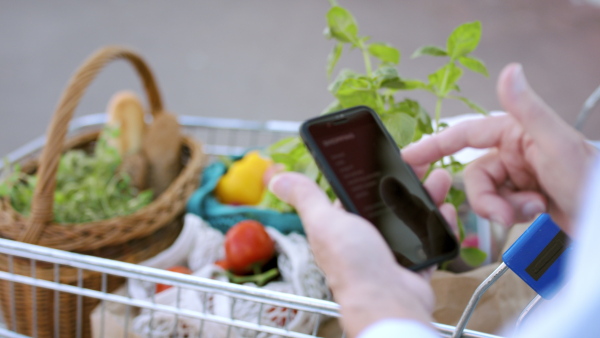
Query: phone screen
[[363, 165]]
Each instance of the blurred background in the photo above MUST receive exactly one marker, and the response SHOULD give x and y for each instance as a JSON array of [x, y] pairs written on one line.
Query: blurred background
[[266, 59]]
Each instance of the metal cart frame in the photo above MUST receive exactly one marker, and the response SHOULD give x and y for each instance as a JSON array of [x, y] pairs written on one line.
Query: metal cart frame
[[220, 136]]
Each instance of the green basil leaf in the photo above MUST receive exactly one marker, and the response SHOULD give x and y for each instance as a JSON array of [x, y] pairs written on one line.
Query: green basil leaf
[[456, 167], [455, 196], [271, 201], [285, 159], [464, 39], [334, 57], [312, 171], [414, 109], [474, 64], [325, 186], [473, 256], [342, 25], [410, 84], [356, 92], [401, 126], [298, 160], [344, 75], [444, 79], [429, 50], [474, 106], [385, 53], [285, 145], [304, 163], [388, 77]]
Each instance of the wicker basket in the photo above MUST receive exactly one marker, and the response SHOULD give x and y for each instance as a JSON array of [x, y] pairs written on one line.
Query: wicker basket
[[132, 238]]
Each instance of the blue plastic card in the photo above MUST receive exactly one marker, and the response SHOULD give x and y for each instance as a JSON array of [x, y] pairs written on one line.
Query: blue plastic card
[[539, 256]]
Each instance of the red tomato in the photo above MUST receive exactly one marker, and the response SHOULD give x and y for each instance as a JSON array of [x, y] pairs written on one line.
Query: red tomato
[[181, 269], [248, 247]]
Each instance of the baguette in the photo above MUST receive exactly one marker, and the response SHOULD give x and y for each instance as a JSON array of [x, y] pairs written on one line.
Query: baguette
[[162, 149], [125, 112]]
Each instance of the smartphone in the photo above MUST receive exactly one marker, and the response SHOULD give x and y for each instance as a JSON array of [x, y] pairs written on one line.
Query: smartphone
[[364, 167]]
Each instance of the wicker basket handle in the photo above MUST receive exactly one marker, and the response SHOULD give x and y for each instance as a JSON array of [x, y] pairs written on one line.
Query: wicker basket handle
[[43, 197]]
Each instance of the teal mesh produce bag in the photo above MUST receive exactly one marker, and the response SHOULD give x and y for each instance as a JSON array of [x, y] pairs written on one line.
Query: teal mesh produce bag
[[223, 216]]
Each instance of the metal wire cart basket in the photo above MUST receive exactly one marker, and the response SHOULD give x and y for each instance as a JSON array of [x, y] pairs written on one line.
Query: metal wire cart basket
[[220, 137]]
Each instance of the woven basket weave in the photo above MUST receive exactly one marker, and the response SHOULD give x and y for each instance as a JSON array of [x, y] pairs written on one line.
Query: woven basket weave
[[132, 238]]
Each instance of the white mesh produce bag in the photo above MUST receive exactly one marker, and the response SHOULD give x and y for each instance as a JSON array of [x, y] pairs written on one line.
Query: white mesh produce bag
[[201, 245]]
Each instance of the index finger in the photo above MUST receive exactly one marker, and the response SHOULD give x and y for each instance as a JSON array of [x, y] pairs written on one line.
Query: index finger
[[480, 133]]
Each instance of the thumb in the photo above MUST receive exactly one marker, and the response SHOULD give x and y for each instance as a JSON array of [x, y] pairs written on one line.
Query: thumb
[[299, 191], [521, 102]]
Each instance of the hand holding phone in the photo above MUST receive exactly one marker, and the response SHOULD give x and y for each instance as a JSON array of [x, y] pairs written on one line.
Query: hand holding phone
[[364, 167]]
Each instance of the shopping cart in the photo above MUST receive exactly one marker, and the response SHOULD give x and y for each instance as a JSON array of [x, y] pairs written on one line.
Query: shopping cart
[[219, 137]]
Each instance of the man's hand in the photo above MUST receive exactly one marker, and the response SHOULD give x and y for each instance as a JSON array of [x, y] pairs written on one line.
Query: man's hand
[[361, 270], [536, 162]]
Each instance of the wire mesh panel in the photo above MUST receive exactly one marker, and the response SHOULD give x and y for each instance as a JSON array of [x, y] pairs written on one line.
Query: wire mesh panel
[[231, 137], [124, 312]]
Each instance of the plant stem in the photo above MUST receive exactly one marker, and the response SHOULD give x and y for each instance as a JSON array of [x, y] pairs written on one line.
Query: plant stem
[[441, 94], [256, 268], [258, 279], [366, 58], [438, 113]]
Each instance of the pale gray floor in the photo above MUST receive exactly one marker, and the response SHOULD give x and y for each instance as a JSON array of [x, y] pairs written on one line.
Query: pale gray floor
[[266, 59]]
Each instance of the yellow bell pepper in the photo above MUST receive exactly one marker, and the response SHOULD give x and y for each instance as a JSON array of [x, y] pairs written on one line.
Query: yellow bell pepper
[[243, 182]]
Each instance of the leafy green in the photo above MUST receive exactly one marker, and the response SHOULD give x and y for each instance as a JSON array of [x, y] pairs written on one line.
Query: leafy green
[[461, 42], [388, 77], [341, 25], [272, 202], [377, 88], [429, 50], [401, 126], [414, 109], [357, 91], [473, 64], [472, 256], [88, 186], [464, 39], [385, 53]]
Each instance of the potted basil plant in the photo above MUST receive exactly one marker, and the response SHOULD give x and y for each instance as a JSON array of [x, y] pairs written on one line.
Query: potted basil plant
[[379, 86]]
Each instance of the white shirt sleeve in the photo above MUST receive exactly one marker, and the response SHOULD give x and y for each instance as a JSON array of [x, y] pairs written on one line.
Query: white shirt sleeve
[[395, 327], [575, 310]]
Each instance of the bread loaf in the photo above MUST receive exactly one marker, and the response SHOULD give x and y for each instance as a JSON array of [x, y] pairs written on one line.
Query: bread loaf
[[125, 112], [162, 148]]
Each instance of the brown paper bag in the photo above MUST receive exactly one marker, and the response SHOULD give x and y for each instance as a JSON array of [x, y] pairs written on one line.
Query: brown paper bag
[[499, 306]]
